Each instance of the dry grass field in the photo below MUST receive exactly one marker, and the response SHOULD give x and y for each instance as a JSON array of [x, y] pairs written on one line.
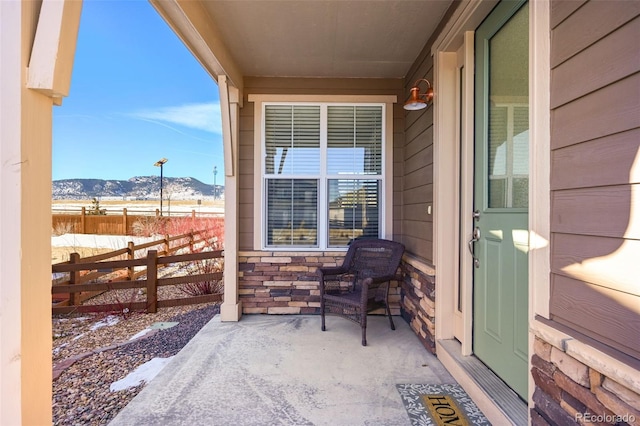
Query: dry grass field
[[169, 207]]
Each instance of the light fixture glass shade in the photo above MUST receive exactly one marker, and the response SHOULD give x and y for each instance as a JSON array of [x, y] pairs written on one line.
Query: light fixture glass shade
[[415, 105], [419, 100]]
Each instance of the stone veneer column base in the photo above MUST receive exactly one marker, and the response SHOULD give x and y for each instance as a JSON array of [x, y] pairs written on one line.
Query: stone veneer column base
[[417, 300]]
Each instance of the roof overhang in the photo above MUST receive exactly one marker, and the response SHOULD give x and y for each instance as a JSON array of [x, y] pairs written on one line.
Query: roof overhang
[[302, 38]]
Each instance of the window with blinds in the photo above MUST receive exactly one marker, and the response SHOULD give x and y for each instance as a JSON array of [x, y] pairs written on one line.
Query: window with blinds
[[322, 157]]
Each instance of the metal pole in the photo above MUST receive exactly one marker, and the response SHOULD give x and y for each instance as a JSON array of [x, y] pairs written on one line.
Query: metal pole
[[161, 164], [215, 189]]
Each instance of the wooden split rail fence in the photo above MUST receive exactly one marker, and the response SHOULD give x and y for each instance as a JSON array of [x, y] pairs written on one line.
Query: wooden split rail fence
[[69, 294]]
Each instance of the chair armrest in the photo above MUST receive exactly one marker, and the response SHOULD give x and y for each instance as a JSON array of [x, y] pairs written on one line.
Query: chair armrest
[[384, 278], [332, 271]]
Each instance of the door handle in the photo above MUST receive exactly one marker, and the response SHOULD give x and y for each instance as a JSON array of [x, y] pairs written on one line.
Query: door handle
[[475, 237]]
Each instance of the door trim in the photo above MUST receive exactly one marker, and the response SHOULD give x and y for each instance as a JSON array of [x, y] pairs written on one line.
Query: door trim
[[465, 131], [467, 17]]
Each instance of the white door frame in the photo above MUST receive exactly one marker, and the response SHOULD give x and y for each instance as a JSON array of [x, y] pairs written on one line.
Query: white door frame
[[447, 166], [453, 190], [464, 145]]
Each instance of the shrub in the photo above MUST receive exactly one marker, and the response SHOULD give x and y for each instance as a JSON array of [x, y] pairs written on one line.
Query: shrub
[[202, 287], [62, 228]]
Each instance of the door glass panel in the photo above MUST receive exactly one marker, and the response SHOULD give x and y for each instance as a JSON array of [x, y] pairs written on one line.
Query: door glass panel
[[508, 125]]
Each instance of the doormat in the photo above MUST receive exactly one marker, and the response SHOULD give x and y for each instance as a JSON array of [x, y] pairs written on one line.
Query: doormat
[[440, 405]]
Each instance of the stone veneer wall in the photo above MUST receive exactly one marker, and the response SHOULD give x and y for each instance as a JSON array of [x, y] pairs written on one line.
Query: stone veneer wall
[[418, 300], [272, 282], [569, 391]]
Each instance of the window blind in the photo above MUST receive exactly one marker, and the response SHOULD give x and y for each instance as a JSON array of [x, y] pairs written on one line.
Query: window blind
[[292, 139], [292, 212], [354, 140]]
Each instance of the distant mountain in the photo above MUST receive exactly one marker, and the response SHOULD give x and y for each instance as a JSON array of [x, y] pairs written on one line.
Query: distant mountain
[[136, 188]]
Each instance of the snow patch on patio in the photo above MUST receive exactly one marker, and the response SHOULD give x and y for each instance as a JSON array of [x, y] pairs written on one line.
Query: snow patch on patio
[[143, 374]]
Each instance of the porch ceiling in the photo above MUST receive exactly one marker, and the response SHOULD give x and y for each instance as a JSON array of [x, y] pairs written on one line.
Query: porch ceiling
[[304, 38]]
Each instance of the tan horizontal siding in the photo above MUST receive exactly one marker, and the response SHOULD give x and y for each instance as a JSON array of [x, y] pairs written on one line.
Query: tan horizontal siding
[[588, 258], [595, 178], [421, 194], [419, 179], [417, 212], [417, 225], [613, 316], [602, 211], [602, 63], [600, 162], [561, 10], [423, 247], [422, 159], [612, 109], [587, 25]]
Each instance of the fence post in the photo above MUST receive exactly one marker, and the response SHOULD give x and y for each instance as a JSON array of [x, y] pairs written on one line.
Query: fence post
[[157, 213], [83, 221], [193, 214], [191, 238], [74, 276], [131, 251], [124, 221], [166, 245], [152, 281]]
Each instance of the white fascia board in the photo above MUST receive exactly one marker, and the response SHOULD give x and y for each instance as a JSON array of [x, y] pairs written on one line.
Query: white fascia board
[[192, 24]]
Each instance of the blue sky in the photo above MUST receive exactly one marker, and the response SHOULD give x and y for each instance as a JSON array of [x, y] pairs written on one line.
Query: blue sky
[[137, 95]]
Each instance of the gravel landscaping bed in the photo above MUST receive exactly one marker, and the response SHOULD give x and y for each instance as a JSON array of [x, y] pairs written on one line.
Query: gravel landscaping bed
[[92, 351]]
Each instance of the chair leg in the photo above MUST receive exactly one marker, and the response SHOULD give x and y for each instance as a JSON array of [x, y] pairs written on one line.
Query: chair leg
[[363, 324], [322, 316], [393, 327]]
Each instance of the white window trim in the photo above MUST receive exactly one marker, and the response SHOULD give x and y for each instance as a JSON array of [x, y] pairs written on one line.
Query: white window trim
[[386, 225]]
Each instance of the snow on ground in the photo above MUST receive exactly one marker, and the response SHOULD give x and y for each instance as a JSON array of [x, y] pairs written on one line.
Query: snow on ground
[[143, 374], [114, 242], [140, 334], [106, 322], [147, 371]]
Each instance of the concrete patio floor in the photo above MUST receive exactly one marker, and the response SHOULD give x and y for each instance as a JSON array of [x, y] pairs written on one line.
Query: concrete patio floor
[[283, 370]]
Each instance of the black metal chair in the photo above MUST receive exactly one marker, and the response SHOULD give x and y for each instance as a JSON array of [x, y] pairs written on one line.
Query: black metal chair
[[361, 284]]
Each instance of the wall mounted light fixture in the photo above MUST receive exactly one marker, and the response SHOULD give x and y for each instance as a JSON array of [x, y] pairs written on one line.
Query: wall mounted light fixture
[[419, 100]]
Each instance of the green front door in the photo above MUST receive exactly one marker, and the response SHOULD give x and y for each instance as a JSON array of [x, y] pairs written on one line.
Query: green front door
[[501, 183]]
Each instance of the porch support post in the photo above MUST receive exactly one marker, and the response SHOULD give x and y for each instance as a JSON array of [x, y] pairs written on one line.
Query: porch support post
[[445, 192], [38, 37], [231, 309]]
